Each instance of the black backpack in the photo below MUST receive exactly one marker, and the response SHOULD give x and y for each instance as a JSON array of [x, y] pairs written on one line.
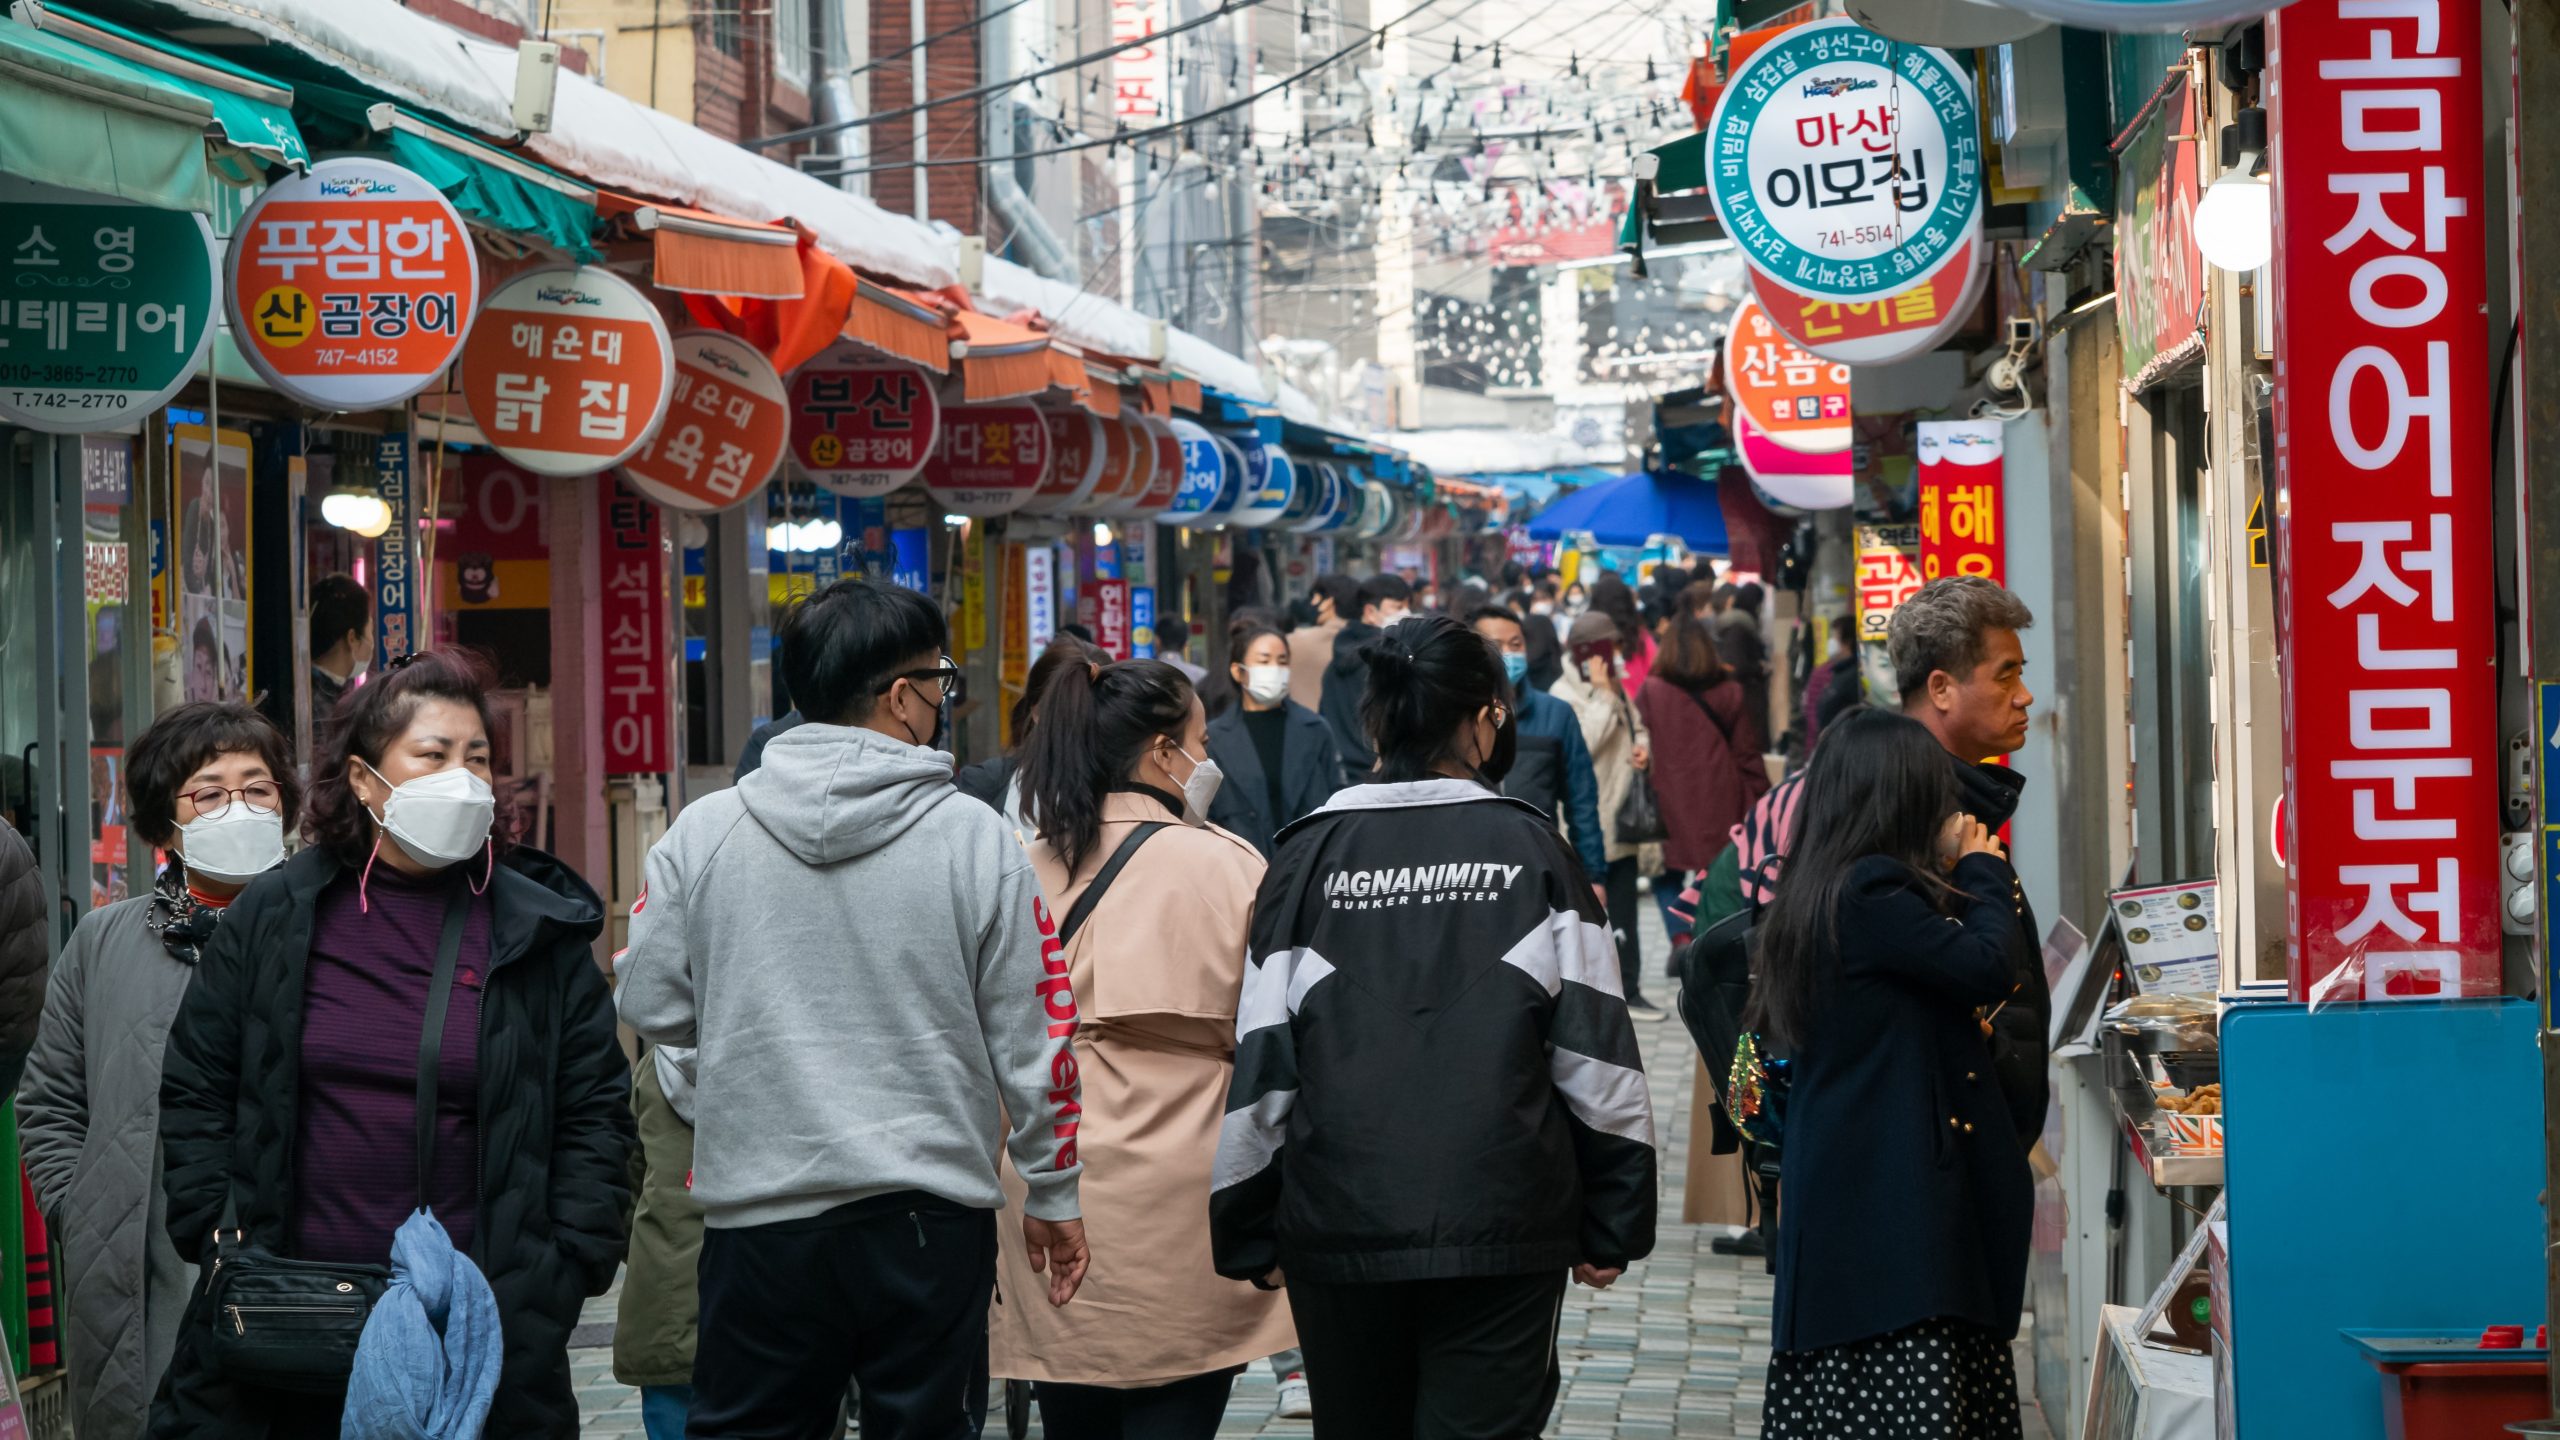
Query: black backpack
[[1715, 993]]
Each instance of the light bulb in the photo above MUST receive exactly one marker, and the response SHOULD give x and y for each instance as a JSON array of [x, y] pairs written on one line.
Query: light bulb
[[338, 508], [2235, 221], [824, 534], [777, 537], [371, 515]]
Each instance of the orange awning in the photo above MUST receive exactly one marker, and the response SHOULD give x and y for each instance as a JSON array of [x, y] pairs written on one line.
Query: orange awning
[[700, 252], [1186, 393], [998, 360], [790, 331], [1091, 388], [900, 323]]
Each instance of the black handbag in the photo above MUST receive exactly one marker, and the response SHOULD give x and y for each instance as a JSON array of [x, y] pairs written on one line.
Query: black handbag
[[287, 1324]]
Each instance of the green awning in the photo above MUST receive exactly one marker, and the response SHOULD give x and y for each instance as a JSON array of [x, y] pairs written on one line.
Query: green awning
[[253, 115], [1682, 164], [86, 120], [493, 188]]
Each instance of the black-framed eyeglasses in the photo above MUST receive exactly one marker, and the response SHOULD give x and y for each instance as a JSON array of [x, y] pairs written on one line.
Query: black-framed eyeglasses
[[948, 672], [263, 796]]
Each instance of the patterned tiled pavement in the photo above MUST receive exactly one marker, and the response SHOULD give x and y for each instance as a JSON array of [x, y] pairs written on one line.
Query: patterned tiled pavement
[[1676, 1350]]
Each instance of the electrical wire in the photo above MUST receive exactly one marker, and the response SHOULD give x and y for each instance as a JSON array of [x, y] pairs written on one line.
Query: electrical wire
[[811, 132], [1128, 137], [877, 61]]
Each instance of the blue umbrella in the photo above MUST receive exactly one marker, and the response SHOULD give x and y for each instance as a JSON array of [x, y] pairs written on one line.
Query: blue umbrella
[[1632, 509]]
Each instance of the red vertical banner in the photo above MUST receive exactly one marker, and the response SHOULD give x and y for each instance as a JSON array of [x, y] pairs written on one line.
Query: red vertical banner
[[2382, 447], [1961, 515], [1111, 617], [638, 706]]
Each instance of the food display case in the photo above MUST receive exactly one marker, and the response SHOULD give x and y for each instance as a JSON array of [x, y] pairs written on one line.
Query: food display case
[[2157, 1027]]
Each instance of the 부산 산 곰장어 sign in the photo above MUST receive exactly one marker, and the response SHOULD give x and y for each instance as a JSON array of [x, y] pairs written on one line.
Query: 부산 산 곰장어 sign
[[1846, 165], [105, 311]]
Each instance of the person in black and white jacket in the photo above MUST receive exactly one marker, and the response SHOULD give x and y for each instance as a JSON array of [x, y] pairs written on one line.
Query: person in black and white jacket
[[1439, 1110]]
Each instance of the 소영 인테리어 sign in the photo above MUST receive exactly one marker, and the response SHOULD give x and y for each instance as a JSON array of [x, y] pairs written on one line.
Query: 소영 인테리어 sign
[[568, 370], [106, 310], [351, 285], [1846, 165], [724, 431]]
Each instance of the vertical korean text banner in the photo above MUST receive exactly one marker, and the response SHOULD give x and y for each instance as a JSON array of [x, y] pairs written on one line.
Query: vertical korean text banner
[[637, 709]]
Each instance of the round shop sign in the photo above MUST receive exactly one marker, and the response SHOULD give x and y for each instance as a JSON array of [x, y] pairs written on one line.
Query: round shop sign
[[568, 370], [1231, 467], [1846, 164], [106, 312], [1203, 471], [1796, 398], [1377, 511], [1908, 322], [859, 427], [1270, 483], [1075, 463], [1794, 479], [1324, 479], [725, 427], [1166, 483], [2150, 15], [991, 459], [352, 285]]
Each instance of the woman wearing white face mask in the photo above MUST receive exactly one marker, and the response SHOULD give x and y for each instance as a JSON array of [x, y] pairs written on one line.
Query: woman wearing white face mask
[[1152, 905], [1277, 755], [289, 1104], [211, 783]]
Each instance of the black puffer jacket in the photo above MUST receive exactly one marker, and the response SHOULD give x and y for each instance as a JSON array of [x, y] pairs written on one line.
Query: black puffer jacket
[[1346, 684], [555, 1127], [23, 966]]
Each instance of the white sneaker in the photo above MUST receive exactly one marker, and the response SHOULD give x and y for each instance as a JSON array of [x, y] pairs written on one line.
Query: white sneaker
[[1644, 1014], [1294, 1402]]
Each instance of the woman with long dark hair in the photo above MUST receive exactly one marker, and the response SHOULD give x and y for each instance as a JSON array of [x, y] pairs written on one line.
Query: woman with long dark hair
[[1439, 1111], [1152, 905], [1707, 745], [1277, 754], [997, 780], [1902, 1239], [1611, 596], [289, 1102], [212, 784]]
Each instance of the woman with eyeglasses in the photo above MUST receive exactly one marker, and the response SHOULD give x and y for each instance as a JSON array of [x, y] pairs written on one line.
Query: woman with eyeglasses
[[290, 1098], [212, 784], [1439, 1111]]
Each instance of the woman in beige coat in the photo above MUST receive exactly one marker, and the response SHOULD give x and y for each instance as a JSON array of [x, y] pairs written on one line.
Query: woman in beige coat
[[1155, 1338], [1594, 684]]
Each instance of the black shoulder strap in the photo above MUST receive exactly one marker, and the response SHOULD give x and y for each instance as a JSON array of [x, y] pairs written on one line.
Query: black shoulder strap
[[1713, 718], [1110, 871], [431, 1035]]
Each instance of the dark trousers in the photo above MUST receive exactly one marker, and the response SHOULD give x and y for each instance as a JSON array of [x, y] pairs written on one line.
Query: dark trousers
[[1184, 1410], [890, 1293], [1621, 888], [1466, 1359]]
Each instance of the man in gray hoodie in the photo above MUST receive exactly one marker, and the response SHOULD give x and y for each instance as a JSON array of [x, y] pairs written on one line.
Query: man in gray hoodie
[[872, 981]]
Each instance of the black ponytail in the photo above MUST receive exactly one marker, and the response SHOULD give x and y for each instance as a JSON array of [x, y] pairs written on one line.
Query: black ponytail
[[1428, 676], [1094, 724], [1064, 653]]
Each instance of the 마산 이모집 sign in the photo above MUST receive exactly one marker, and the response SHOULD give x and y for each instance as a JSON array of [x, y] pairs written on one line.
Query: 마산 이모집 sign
[[1846, 165], [106, 310], [352, 284]]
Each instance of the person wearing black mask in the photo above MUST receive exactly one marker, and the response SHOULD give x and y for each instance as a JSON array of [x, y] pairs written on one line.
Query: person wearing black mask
[[1384, 599], [1426, 1296]]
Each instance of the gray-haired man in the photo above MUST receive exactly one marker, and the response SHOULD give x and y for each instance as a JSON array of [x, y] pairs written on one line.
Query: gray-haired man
[[1962, 673]]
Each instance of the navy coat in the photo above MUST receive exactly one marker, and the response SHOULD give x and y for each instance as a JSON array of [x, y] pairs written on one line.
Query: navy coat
[[1310, 771], [1904, 1193]]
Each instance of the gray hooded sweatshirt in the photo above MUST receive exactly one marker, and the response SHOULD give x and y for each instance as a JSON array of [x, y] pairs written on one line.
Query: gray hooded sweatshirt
[[861, 957]]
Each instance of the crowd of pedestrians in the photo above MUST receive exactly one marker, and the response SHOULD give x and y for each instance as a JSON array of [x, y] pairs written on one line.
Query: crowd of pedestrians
[[1278, 1014]]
